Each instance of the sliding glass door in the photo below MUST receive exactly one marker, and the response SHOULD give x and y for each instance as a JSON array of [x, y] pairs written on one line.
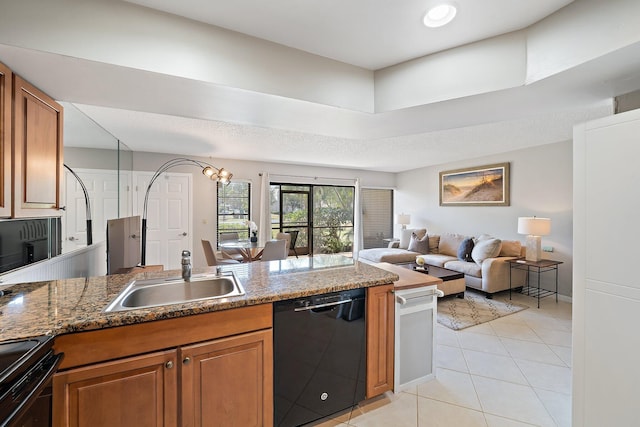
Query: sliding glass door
[[322, 215], [332, 219]]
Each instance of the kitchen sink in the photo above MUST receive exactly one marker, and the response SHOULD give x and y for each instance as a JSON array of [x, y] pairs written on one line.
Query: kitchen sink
[[159, 292]]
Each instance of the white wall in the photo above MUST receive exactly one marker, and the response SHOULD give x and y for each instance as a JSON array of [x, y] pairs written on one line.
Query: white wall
[[486, 66], [580, 32], [541, 185], [204, 190], [99, 30]]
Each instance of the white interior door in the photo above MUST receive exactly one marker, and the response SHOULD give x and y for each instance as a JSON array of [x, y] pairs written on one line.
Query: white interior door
[[102, 186], [169, 222]]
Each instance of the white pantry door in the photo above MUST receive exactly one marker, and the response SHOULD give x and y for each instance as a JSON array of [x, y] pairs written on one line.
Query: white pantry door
[[168, 217]]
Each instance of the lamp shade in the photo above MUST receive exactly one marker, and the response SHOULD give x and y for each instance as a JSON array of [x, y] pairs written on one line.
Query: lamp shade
[[403, 219], [534, 226]]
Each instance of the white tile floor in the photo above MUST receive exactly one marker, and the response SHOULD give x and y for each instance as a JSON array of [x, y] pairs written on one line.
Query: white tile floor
[[513, 371]]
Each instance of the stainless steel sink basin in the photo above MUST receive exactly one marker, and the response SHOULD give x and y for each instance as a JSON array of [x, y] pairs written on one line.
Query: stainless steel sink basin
[[159, 292]]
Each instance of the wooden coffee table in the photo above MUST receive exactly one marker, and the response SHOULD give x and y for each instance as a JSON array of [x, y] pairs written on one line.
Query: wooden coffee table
[[452, 281]]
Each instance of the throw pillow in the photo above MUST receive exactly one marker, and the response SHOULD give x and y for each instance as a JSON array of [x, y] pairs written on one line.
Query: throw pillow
[[487, 248], [405, 236], [511, 248], [464, 250], [419, 245], [483, 237]]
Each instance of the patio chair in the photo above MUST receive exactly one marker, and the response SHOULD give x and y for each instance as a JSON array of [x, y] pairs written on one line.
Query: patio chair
[[292, 243]]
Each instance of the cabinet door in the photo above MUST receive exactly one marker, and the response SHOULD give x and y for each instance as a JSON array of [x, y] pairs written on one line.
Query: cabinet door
[[229, 382], [37, 161], [137, 391], [5, 141], [380, 339]]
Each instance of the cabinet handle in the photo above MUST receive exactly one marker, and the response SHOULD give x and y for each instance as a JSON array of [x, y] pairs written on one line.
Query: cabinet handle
[[186, 360], [169, 364]]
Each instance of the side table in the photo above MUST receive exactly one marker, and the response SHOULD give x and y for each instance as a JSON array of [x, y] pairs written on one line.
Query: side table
[[538, 267]]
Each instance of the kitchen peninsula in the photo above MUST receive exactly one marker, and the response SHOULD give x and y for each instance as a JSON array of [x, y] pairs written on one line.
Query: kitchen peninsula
[[178, 364]]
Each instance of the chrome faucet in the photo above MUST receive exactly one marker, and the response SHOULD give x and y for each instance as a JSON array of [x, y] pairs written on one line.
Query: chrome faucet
[[186, 266]]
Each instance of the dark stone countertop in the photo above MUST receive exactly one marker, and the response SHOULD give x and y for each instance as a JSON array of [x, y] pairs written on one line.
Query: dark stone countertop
[[73, 305]]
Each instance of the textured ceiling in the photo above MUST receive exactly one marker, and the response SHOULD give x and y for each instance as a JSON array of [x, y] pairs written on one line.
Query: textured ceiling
[[157, 111]]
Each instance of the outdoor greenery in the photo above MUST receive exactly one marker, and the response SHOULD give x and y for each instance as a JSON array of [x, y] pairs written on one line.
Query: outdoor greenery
[[331, 215], [234, 207], [333, 218]]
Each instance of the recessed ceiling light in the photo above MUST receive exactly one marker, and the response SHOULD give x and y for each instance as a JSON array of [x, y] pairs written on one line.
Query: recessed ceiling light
[[440, 15]]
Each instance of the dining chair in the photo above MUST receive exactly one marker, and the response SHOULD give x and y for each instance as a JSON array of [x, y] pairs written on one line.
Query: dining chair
[[274, 250], [210, 254], [231, 253]]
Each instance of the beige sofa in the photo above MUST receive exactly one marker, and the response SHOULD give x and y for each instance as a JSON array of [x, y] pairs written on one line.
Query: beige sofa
[[397, 252], [487, 269]]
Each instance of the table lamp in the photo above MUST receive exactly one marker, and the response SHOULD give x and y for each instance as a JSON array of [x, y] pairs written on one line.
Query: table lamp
[[534, 227], [403, 220]]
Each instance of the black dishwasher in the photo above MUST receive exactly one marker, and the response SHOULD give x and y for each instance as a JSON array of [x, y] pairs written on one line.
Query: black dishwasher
[[319, 356]]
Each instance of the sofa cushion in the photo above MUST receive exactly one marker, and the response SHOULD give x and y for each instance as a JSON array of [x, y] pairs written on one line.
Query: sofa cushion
[[487, 248], [438, 260], [470, 268], [449, 243], [510, 248], [390, 255], [464, 250], [405, 236], [417, 244]]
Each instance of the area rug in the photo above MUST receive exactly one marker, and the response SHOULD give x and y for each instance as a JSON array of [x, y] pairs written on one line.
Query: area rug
[[457, 313]]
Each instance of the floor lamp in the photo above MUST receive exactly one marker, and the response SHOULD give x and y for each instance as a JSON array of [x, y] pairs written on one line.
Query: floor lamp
[[87, 204], [210, 171]]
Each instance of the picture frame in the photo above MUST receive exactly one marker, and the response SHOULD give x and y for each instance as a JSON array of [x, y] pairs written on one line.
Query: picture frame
[[475, 186]]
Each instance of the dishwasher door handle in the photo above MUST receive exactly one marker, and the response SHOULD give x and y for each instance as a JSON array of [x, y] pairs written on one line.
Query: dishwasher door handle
[[329, 304]]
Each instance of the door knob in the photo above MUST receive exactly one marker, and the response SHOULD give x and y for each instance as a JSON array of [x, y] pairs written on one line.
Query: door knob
[[169, 364], [184, 233], [186, 360]]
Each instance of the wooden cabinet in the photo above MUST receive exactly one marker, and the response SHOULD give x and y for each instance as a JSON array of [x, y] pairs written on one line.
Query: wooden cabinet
[[218, 371], [31, 158], [37, 152], [225, 382], [5, 140], [380, 339], [137, 391]]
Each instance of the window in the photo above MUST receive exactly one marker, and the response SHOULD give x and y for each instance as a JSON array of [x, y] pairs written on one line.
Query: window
[[234, 207], [377, 216]]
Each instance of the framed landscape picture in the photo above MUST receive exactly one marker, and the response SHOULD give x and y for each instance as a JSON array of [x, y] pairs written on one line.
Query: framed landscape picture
[[478, 186]]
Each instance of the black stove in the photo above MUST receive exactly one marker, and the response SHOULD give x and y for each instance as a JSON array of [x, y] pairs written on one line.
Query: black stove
[[26, 369]]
